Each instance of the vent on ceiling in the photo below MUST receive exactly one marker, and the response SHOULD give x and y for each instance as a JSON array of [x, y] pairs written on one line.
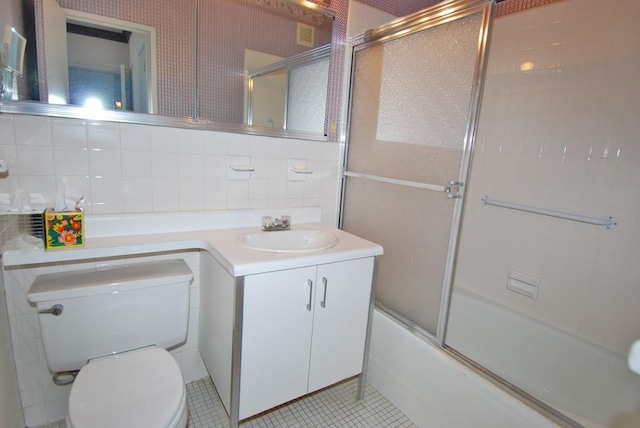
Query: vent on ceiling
[[305, 35]]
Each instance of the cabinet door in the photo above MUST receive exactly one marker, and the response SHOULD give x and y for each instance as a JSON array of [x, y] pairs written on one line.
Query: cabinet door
[[340, 324], [276, 338]]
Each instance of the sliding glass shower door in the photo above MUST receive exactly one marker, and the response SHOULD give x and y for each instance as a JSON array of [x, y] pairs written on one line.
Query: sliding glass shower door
[[413, 110]]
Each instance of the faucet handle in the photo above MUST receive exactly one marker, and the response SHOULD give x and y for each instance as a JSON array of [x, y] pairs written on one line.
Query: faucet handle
[[282, 223]]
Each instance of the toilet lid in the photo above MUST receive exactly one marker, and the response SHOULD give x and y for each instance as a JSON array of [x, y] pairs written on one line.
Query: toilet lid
[[141, 388]]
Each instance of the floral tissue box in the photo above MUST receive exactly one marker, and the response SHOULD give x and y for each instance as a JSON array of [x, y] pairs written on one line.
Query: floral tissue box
[[63, 229]]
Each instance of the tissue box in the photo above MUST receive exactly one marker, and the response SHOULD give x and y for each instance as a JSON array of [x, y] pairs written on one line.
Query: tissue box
[[63, 229]]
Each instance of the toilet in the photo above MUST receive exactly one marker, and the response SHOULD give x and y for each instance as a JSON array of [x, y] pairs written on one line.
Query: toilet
[[113, 327]]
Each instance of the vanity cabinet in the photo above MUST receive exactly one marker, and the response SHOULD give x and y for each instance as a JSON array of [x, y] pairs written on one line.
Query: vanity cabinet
[[302, 330]]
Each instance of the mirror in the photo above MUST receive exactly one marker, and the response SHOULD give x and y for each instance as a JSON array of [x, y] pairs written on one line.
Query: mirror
[[241, 35], [153, 66], [289, 93], [11, 62]]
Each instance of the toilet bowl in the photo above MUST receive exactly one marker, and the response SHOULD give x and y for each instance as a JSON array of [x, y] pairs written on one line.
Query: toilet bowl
[[142, 388], [114, 325]]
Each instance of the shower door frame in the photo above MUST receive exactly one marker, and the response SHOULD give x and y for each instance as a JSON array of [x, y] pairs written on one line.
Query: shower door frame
[[439, 14]]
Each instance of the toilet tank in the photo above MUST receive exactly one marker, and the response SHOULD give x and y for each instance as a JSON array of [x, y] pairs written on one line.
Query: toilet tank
[[106, 311]]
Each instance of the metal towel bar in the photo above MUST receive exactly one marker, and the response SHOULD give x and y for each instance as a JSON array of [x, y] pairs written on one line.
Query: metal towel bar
[[609, 222]]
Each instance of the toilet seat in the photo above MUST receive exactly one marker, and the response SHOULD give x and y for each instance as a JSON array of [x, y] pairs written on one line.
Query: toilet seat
[[142, 388]]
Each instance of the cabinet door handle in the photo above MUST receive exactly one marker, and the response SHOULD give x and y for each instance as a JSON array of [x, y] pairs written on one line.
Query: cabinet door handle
[[323, 303], [310, 284]]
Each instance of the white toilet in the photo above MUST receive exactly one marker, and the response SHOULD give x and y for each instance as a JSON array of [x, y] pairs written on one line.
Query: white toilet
[[114, 325]]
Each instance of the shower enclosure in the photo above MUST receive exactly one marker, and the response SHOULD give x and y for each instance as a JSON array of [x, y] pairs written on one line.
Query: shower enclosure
[[415, 93], [510, 236]]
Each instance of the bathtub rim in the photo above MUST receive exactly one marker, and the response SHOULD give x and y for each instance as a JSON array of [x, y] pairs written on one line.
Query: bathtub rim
[[532, 402]]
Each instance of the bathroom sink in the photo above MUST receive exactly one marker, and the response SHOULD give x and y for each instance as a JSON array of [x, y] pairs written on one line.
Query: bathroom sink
[[288, 241]]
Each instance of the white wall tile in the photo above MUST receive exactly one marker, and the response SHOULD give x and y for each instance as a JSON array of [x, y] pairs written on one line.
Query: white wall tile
[[191, 165], [135, 137], [239, 145], [105, 162], [71, 160], [69, 133], [215, 143], [137, 189], [35, 160], [191, 189], [164, 139], [103, 135], [164, 164], [32, 131], [571, 130], [191, 141], [136, 163]]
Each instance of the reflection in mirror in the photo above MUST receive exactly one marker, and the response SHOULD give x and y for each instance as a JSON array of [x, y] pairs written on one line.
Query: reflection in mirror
[[291, 93], [236, 36], [149, 64], [227, 29], [11, 62], [100, 62]]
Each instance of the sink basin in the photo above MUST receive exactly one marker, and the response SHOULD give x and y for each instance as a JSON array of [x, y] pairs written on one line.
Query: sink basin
[[288, 241]]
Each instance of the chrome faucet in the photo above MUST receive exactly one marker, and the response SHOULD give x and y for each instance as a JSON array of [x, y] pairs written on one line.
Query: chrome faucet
[[272, 224]]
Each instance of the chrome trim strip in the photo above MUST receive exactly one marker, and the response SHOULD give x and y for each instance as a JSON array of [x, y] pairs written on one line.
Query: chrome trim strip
[[488, 13], [77, 112], [439, 13], [236, 353], [305, 58], [362, 379], [196, 72]]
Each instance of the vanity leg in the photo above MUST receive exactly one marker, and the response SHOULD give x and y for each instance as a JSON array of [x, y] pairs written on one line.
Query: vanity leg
[[236, 354], [362, 379]]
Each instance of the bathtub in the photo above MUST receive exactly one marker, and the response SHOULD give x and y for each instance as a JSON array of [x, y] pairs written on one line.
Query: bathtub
[[590, 384], [435, 390]]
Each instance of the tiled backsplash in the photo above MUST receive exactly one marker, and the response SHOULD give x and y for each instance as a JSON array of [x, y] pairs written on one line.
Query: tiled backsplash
[[559, 130], [125, 168]]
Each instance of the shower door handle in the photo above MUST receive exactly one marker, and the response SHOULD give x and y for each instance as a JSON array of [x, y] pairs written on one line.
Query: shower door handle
[[454, 193]]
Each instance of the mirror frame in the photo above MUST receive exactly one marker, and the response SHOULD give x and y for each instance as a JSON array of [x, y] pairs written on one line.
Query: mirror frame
[[78, 112]]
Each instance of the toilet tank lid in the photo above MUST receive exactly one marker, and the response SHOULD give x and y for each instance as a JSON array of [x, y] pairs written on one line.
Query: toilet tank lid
[[72, 284]]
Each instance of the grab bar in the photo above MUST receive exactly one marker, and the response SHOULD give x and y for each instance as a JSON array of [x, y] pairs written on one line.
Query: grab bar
[[609, 222]]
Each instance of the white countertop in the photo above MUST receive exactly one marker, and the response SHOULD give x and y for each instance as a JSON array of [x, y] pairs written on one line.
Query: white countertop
[[236, 259]]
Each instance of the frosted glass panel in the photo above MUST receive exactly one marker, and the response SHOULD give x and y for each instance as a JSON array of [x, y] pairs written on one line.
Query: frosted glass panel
[[411, 101], [308, 97], [409, 114], [413, 227]]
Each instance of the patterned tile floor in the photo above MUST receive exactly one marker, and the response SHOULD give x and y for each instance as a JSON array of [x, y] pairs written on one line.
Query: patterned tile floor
[[331, 407]]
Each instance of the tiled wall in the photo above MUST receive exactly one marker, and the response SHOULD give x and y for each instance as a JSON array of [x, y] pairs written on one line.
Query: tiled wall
[[122, 168], [11, 409], [559, 130]]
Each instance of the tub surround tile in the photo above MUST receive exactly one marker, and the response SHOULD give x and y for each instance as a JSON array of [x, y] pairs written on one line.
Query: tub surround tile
[[560, 135]]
